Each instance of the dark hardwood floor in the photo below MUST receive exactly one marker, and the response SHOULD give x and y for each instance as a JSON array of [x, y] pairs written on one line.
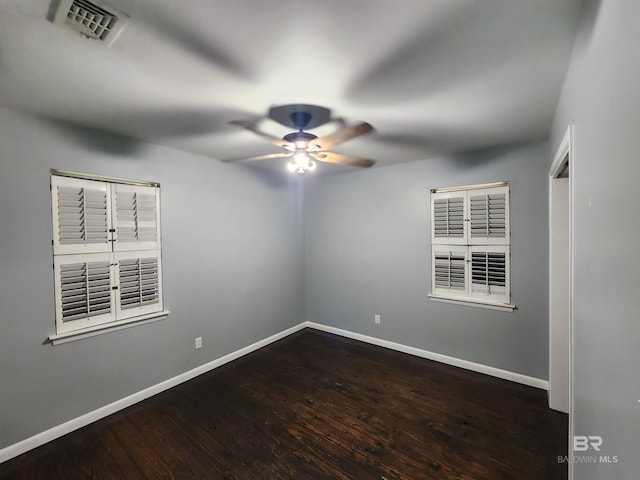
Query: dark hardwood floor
[[318, 406]]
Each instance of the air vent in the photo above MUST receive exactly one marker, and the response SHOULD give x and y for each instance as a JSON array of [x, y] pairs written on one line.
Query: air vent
[[92, 19]]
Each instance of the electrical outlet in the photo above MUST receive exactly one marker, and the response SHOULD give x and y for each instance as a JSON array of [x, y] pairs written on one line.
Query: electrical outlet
[[376, 318], [198, 342]]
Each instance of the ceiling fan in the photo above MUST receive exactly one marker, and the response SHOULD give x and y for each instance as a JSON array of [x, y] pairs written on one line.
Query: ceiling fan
[[304, 148]]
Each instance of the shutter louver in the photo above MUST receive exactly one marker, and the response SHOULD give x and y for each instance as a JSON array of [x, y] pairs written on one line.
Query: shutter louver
[[138, 282], [490, 273], [487, 216], [136, 218], [448, 218], [126, 211], [85, 290], [449, 271], [81, 214], [147, 226]]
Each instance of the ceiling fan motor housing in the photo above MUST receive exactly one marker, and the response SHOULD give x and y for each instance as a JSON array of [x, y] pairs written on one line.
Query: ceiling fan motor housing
[[300, 119], [295, 137], [310, 116]]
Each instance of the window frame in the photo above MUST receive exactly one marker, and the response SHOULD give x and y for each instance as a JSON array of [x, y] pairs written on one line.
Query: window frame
[[468, 244], [110, 251]]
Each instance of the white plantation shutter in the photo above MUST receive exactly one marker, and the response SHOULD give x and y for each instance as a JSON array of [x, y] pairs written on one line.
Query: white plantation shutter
[[450, 270], [83, 291], [139, 283], [489, 216], [136, 217], [490, 273], [107, 263], [448, 211], [470, 237], [81, 215]]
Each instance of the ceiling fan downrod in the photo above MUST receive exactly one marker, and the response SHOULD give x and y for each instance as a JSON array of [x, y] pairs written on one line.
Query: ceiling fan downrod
[[300, 119]]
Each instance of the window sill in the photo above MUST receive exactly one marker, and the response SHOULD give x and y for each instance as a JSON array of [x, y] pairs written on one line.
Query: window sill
[[57, 339], [503, 307]]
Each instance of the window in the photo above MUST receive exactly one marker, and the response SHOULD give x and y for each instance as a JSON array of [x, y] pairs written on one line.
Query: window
[[106, 252], [470, 242]]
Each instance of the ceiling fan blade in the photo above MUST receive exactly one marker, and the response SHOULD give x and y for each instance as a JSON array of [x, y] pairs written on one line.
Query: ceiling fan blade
[[330, 157], [342, 135], [259, 157], [251, 126]]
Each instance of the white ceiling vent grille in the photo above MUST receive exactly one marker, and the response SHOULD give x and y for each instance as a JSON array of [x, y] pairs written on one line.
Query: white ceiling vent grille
[[92, 19]]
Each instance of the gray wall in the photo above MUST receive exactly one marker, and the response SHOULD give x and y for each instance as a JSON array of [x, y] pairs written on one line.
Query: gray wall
[[368, 252], [233, 271], [601, 98]]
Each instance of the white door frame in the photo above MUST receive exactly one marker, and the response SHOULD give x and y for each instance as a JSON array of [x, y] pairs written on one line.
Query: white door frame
[[561, 203]]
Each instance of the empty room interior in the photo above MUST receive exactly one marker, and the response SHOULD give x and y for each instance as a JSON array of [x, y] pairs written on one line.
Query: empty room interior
[[290, 239]]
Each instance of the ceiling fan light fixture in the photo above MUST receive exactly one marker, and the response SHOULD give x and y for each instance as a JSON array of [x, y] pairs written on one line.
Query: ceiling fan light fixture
[[291, 166], [301, 156], [300, 162]]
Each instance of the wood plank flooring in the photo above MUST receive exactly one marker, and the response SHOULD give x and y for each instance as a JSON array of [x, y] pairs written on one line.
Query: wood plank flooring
[[318, 406]]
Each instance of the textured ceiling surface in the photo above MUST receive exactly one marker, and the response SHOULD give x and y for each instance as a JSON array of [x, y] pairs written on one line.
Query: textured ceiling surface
[[432, 76]]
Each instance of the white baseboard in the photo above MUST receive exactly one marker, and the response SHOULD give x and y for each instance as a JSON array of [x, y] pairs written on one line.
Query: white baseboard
[[456, 362], [58, 431]]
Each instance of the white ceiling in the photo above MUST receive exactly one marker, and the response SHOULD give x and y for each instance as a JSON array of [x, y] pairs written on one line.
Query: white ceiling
[[432, 76]]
